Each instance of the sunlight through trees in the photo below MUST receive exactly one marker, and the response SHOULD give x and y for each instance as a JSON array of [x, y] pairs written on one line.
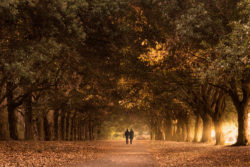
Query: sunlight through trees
[[89, 69]]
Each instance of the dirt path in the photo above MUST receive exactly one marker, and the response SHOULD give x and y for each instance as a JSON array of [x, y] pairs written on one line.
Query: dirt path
[[121, 155]]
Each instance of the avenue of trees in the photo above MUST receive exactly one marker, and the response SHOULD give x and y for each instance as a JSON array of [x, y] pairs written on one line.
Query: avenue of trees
[[69, 66]]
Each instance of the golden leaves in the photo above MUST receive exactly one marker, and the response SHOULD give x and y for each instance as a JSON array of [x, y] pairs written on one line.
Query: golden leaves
[[36, 153]]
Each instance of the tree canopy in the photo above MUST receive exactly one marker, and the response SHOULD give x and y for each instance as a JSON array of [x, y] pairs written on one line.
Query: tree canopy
[[70, 67]]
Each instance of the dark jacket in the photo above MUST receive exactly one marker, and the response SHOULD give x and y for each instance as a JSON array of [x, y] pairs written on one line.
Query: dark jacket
[[131, 134], [127, 134]]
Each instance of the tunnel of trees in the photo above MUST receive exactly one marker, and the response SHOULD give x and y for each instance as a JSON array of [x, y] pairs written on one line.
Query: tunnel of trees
[[85, 69]]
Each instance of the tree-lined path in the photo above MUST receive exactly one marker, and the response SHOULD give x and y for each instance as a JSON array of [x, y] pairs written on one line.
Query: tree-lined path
[[75, 73], [122, 155]]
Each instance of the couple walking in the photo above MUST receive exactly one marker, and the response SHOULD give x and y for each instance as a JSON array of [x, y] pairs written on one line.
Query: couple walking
[[130, 135]]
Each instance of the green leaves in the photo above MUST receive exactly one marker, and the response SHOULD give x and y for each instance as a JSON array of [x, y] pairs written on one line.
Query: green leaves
[[233, 51]]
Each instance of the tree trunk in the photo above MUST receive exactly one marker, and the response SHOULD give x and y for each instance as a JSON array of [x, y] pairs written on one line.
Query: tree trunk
[[219, 136], [72, 127], [4, 132], [159, 135], [40, 127], [184, 131], [188, 138], [90, 130], [152, 130], [169, 134], [12, 118], [62, 125], [241, 105], [28, 118], [76, 129], [207, 128], [242, 125], [197, 128], [80, 129], [217, 119], [152, 134], [86, 130], [67, 125], [55, 117], [46, 128], [174, 131], [99, 130], [179, 134]]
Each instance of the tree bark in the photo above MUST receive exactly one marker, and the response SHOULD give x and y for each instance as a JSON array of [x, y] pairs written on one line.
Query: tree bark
[[67, 126], [46, 128], [242, 125], [159, 135], [219, 136], [188, 138], [86, 130], [184, 131], [28, 118], [12, 118], [55, 117], [4, 132], [169, 129], [152, 130], [72, 127], [80, 129], [242, 110], [62, 125], [179, 133], [90, 130], [217, 118], [207, 128], [197, 128], [40, 127], [76, 129], [99, 128]]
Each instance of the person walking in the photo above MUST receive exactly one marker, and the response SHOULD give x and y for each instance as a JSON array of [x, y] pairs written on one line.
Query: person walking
[[127, 134], [131, 135]]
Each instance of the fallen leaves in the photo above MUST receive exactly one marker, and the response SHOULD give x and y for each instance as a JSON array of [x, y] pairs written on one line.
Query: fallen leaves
[[186, 154], [41, 153], [171, 154]]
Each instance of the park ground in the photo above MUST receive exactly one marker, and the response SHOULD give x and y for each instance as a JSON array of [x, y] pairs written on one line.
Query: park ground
[[118, 154]]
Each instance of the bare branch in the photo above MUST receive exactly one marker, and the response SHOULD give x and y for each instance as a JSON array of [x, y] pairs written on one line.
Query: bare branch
[[220, 87]]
